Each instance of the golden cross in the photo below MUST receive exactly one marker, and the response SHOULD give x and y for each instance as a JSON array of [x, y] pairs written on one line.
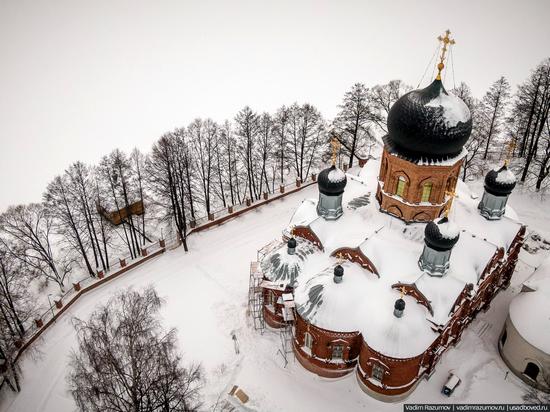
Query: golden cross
[[335, 147], [450, 204], [340, 258], [402, 291], [511, 147], [446, 41]]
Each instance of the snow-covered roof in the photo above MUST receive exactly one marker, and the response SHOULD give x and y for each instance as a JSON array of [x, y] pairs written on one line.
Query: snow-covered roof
[[530, 310], [281, 267], [364, 301]]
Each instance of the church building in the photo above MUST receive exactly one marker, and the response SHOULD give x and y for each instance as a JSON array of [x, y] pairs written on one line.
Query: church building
[[381, 274]]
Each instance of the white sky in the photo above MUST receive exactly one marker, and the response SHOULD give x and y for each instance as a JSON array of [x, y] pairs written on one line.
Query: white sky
[[78, 79]]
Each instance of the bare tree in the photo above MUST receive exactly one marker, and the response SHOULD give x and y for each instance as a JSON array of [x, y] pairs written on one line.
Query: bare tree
[[28, 237], [352, 123], [536, 397], [126, 361], [383, 97], [493, 109]]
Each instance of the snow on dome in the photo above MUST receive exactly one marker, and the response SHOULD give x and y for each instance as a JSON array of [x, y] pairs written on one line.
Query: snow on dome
[[454, 109], [505, 176], [447, 228], [342, 307], [530, 310], [281, 267], [336, 175]]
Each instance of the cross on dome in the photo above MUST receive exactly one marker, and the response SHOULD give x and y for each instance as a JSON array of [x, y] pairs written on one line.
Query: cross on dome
[[446, 40]]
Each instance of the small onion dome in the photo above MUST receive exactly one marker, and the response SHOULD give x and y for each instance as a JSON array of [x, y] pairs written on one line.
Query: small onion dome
[[291, 244], [338, 273], [500, 182], [441, 234], [428, 123], [332, 181], [399, 305]]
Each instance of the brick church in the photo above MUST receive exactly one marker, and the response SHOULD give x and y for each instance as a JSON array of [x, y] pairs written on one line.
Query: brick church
[[381, 274]]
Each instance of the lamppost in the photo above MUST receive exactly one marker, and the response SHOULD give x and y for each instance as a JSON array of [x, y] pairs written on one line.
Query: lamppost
[[51, 307]]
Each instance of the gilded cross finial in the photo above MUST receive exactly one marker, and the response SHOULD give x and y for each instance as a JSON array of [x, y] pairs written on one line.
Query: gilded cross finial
[[510, 149], [450, 203], [402, 291], [446, 40], [335, 143]]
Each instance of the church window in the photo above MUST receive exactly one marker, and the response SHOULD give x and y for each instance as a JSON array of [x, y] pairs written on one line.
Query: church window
[[401, 184], [338, 352], [532, 371], [377, 372], [308, 340], [426, 192]]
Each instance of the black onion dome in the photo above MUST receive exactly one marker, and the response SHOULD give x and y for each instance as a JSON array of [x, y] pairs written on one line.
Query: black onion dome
[[399, 304], [428, 123], [291, 243], [500, 182], [332, 181], [434, 238], [338, 271]]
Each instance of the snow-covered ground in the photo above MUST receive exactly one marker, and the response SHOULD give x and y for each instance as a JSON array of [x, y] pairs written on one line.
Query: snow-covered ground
[[206, 291]]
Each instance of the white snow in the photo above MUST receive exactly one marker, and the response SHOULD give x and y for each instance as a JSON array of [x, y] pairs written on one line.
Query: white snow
[[448, 229], [336, 176], [505, 176], [454, 109], [206, 293], [530, 310]]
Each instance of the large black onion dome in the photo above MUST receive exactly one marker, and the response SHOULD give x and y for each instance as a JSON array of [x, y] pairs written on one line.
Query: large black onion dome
[[441, 234], [332, 181], [500, 182], [428, 123]]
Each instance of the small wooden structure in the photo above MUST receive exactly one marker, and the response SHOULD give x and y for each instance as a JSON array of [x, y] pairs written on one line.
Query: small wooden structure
[[119, 216]]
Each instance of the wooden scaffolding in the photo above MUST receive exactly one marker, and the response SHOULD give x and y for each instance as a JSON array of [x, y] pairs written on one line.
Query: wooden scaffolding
[[256, 297]]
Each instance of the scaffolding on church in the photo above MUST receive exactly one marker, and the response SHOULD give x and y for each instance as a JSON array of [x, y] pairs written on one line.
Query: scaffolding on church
[[256, 297], [286, 332]]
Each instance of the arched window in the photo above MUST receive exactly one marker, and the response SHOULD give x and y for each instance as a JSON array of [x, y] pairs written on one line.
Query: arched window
[[401, 184], [338, 352], [377, 372], [426, 192], [308, 340], [532, 371]]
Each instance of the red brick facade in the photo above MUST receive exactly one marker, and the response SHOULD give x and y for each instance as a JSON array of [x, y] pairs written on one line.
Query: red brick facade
[[409, 206]]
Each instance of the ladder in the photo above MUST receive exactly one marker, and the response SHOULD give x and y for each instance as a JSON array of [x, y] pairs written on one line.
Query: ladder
[[256, 297]]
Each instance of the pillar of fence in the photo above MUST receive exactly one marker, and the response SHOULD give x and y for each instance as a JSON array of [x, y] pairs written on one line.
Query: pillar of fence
[[122, 262], [230, 209], [39, 323], [58, 302], [211, 216], [266, 195], [248, 202], [298, 182], [162, 243], [281, 189], [100, 273], [143, 251], [76, 286], [313, 177]]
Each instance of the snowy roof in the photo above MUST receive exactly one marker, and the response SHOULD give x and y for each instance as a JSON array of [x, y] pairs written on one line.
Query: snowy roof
[[394, 248], [505, 176], [281, 267], [530, 311]]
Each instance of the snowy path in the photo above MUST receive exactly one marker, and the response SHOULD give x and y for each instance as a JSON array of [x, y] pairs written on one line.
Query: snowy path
[[205, 292]]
